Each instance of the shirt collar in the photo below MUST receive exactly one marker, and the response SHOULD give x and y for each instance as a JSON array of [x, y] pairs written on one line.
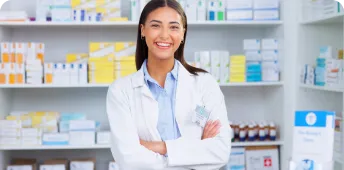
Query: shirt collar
[[147, 77]]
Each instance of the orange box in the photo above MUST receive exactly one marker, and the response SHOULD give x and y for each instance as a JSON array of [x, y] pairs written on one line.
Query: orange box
[[40, 51], [48, 73], [12, 52], [5, 52], [21, 50], [12, 73], [20, 73], [3, 73]]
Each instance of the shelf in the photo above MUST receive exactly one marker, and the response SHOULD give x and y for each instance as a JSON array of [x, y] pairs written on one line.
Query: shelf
[[53, 147], [336, 18], [253, 84], [134, 24], [107, 85], [269, 143], [258, 143], [323, 88]]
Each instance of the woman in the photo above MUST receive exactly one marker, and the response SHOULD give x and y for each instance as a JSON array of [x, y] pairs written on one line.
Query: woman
[[167, 115]]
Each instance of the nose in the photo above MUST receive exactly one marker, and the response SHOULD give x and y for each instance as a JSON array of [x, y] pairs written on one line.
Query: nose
[[164, 34]]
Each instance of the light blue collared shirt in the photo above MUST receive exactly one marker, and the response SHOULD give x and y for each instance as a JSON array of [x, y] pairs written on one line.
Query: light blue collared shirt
[[167, 125]]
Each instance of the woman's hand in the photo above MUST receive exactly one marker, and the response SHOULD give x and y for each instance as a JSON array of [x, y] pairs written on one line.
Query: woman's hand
[[157, 147], [211, 129]]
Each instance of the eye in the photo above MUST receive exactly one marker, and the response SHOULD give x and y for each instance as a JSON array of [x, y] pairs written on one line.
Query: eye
[[175, 27], [155, 25]]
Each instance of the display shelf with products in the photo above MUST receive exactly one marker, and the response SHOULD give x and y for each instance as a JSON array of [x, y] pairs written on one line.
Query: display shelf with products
[[263, 98]]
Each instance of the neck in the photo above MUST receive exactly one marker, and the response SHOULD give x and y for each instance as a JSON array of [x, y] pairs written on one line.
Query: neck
[[158, 69]]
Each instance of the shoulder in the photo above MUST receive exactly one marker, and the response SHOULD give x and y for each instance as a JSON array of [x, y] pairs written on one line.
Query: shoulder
[[122, 85], [207, 84]]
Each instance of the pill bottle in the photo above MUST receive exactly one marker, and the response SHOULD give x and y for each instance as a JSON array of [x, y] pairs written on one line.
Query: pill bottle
[[236, 130], [262, 135], [256, 130], [242, 132], [251, 132], [267, 130], [272, 131]]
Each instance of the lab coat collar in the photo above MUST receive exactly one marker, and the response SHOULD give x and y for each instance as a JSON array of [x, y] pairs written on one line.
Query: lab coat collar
[[138, 78]]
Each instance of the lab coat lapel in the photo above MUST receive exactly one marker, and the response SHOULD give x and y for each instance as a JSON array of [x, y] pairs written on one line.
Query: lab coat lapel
[[147, 105], [183, 96]]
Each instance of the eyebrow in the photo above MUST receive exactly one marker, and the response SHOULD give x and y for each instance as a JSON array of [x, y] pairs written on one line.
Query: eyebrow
[[172, 22]]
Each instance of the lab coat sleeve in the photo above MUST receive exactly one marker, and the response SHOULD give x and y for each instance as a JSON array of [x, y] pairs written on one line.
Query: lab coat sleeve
[[212, 153], [126, 147]]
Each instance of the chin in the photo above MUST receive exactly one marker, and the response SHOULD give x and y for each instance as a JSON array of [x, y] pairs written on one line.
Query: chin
[[163, 56]]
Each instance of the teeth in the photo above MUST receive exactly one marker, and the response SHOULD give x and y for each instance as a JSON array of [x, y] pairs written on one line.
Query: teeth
[[163, 44]]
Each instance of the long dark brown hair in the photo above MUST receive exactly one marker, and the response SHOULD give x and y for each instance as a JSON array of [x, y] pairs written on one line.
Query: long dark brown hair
[[142, 48]]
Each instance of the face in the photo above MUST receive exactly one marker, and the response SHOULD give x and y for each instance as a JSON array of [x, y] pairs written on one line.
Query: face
[[163, 32]]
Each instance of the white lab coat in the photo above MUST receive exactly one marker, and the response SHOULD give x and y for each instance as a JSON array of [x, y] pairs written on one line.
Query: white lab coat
[[133, 115]]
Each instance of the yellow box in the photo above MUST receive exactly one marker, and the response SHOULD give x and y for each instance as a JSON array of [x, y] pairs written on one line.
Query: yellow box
[[108, 13], [237, 69], [234, 80], [49, 122], [78, 4], [100, 80], [237, 78], [125, 50], [125, 66], [123, 73], [237, 57], [70, 58], [116, 19], [100, 49], [25, 120]]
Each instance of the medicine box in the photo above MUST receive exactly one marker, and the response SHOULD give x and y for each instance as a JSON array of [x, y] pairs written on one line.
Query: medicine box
[[10, 132], [254, 55], [326, 52], [266, 15], [238, 15], [313, 129], [82, 69], [269, 44], [262, 158], [103, 137], [82, 138], [10, 141], [266, 4], [52, 167], [10, 124], [239, 4], [270, 55], [82, 125], [191, 10], [201, 10], [55, 139], [26, 141], [236, 159], [19, 167], [252, 44], [31, 132], [88, 164]]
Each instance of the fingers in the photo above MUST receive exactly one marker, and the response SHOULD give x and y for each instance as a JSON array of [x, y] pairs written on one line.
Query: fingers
[[211, 129]]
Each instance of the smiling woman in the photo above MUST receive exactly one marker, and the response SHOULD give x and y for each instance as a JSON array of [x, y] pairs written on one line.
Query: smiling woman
[[167, 115]]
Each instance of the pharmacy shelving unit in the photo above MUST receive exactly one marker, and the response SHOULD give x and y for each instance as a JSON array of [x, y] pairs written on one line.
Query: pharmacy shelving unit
[[314, 32], [244, 101]]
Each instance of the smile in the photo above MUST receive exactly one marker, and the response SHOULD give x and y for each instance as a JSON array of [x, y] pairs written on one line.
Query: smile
[[163, 45]]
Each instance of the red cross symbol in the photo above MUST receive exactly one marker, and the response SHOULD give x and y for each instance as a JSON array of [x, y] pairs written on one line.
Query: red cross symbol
[[267, 162]]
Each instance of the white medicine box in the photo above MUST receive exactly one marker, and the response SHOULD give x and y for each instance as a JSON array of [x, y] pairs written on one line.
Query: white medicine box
[[262, 158], [236, 159]]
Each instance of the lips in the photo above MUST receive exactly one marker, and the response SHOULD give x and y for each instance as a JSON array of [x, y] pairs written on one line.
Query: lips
[[163, 45]]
